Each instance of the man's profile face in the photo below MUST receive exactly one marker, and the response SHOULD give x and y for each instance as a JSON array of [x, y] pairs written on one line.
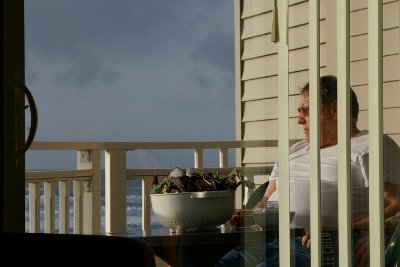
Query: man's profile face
[[328, 122], [303, 117]]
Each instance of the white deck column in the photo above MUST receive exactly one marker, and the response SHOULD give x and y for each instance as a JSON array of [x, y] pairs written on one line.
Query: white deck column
[[314, 94], [115, 191], [375, 69], [344, 146], [283, 130]]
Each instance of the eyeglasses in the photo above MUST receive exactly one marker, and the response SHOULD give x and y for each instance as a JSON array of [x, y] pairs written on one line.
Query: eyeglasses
[[305, 110]]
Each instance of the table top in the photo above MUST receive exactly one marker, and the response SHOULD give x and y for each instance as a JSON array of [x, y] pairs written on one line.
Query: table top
[[220, 234], [205, 247]]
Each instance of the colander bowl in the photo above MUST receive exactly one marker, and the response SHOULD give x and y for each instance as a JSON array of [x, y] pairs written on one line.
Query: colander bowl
[[193, 211]]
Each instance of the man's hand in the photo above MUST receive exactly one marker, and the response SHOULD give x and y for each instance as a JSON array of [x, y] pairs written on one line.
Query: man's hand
[[306, 240], [268, 192], [261, 204]]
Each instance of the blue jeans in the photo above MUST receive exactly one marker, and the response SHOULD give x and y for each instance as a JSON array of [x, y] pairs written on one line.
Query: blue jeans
[[267, 253]]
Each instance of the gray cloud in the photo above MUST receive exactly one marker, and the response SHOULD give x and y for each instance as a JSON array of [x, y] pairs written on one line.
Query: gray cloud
[[143, 70], [217, 49]]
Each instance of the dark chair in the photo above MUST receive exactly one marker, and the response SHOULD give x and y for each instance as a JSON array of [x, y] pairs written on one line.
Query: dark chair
[[256, 196], [392, 253], [39, 249]]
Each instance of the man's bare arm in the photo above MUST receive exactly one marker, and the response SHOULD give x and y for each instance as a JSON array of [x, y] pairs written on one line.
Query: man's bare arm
[[268, 192], [391, 204]]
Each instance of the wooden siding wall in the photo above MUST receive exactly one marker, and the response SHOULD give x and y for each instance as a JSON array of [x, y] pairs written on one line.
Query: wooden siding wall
[[259, 79], [258, 68], [359, 63]]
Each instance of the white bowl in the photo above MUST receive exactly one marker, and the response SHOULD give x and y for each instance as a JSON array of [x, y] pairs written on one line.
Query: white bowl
[[192, 211]]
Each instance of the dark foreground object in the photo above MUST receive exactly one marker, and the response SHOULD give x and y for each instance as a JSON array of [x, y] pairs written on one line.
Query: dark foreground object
[[24, 249]]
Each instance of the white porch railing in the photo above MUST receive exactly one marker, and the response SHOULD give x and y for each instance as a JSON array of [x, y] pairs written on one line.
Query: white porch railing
[[85, 181]]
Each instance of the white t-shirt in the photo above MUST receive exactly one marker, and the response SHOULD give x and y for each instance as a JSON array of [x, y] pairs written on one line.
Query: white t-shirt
[[299, 157]]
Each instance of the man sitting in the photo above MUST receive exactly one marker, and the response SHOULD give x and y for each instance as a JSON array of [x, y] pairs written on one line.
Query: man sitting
[[267, 254]]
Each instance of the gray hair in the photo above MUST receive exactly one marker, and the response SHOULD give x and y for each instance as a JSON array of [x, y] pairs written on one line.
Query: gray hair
[[328, 91]]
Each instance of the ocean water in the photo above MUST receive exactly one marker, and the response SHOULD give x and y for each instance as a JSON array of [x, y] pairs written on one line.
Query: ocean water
[[133, 208]]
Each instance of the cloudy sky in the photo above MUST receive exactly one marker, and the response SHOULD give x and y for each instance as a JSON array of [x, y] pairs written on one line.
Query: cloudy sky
[[130, 70]]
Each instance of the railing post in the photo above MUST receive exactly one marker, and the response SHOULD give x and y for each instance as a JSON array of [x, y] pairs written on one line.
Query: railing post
[[223, 157], [115, 191], [198, 158], [240, 191], [91, 208], [77, 189], [146, 203], [34, 207], [49, 218], [63, 206]]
